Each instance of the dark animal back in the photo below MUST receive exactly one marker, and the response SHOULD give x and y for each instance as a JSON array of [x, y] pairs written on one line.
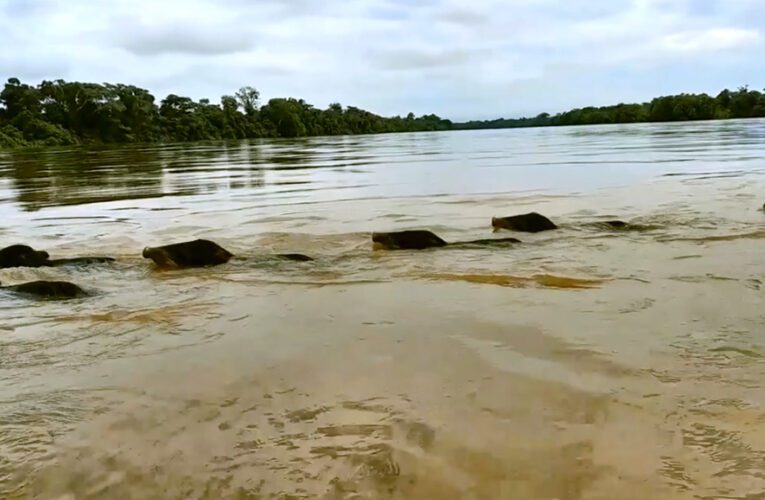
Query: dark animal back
[[616, 224], [298, 257], [22, 256], [198, 253], [420, 239], [532, 222], [414, 239], [49, 289]]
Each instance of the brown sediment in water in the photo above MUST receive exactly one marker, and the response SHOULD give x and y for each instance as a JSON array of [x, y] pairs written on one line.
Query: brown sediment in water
[[309, 427], [167, 315], [568, 367]]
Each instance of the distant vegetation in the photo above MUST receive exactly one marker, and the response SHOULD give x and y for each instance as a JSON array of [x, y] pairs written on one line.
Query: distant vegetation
[[56, 113], [742, 103]]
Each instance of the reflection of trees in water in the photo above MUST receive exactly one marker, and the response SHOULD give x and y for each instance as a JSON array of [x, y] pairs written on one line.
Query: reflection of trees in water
[[316, 152], [77, 176], [288, 154], [91, 175], [208, 168]]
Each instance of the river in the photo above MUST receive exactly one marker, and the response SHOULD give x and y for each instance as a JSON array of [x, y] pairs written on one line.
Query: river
[[584, 363]]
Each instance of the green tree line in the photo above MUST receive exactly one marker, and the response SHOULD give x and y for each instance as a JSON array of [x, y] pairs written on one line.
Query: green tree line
[[742, 103], [56, 113]]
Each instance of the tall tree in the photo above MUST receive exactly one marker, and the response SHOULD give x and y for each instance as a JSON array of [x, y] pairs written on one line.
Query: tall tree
[[248, 99]]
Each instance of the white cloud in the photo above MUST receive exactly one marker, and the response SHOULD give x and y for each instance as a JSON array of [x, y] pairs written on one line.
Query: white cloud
[[711, 40], [458, 59]]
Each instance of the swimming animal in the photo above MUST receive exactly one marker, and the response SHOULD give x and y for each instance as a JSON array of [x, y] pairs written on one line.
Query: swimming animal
[[22, 256], [528, 223], [200, 253], [47, 289], [26, 256], [415, 239], [195, 253], [420, 239], [299, 257]]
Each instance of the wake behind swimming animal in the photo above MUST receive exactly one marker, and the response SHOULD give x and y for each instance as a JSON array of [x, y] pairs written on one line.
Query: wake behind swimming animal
[[26, 256], [200, 253], [419, 239]]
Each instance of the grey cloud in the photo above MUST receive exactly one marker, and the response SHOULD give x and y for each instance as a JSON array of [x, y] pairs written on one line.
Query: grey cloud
[[216, 77], [181, 39], [463, 17], [456, 58], [408, 59]]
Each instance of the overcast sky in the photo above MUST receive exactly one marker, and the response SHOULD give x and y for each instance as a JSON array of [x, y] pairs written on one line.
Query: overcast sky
[[459, 59]]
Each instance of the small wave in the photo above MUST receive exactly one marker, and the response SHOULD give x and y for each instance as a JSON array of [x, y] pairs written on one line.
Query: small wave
[[684, 257], [702, 176], [714, 172], [64, 218], [312, 243], [754, 235], [286, 218], [616, 226], [170, 315], [506, 280], [744, 352], [317, 284], [701, 278]]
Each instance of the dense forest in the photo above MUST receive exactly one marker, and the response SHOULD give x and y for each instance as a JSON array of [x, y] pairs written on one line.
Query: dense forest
[[56, 113], [61, 113], [742, 103]]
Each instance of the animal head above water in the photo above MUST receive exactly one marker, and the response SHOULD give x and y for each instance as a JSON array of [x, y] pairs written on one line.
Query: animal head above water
[[23, 256], [160, 257], [407, 240]]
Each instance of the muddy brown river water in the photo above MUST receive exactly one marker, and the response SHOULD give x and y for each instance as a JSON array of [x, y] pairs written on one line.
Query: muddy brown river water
[[584, 363]]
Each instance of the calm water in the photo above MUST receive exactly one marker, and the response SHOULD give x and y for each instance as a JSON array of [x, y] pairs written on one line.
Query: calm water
[[583, 364]]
